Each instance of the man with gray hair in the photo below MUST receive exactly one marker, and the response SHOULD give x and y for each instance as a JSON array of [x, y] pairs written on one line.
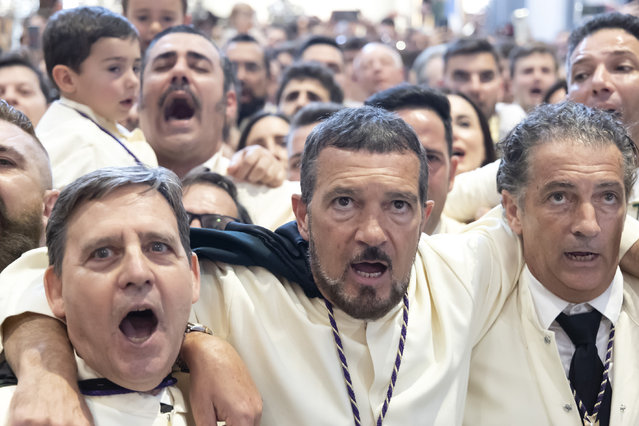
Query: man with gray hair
[[127, 326], [571, 325]]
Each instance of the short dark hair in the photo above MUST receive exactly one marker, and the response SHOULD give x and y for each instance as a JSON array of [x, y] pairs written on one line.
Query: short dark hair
[[314, 113], [470, 46], [628, 23], [102, 182], [125, 6], [526, 50], [70, 33], [13, 59], [252, 120], [562, 122], [247, 38], [204, 175], [489, 145], [314, 40], [186, 29], [366, 128], [413, 96], [559, 85], [311, 71]]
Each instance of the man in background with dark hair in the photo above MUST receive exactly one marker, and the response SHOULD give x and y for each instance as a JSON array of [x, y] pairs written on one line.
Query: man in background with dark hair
[[427, 111], [533, 70], [471, 66], [253, 72], [26, 194], [24, 87], [303, 83]]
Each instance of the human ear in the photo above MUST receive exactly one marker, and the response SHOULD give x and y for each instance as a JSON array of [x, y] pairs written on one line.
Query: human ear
[[512, 211], [300, 209], [53, 290]]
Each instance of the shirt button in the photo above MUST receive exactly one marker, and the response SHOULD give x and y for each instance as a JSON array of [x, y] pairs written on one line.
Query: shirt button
[[547, 340], [567, 407]]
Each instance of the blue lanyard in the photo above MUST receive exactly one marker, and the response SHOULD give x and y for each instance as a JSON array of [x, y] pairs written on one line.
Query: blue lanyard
[[137, 160]]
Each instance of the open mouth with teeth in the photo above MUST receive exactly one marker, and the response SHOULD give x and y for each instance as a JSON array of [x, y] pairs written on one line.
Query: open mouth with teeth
[[581, 256], [369, 269], [179, 109], [139, 325]]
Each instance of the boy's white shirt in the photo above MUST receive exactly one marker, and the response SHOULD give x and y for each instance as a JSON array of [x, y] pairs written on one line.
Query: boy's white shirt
[[76, 145]]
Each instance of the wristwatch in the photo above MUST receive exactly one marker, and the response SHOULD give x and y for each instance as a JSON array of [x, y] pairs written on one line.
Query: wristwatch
[[191, 327], [195, 327]]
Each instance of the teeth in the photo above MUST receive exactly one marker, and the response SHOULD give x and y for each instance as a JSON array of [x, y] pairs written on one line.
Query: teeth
[[581, 257], [369, 275]]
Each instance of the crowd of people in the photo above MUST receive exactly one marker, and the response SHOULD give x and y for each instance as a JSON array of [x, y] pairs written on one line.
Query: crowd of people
[[284, 225]]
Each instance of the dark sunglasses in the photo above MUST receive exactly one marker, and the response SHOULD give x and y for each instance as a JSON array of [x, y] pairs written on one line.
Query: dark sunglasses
[[212, 220]]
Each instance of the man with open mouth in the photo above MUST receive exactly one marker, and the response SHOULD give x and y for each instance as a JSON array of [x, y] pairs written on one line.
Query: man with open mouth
[[602, 68], [124, 290], [571, 325]]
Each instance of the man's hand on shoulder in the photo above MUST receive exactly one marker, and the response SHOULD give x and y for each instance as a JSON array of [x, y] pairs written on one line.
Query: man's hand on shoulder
[[255, 164]]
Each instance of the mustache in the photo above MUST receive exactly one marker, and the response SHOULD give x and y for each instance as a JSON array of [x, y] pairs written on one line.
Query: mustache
[[373, 254], [180, 86]]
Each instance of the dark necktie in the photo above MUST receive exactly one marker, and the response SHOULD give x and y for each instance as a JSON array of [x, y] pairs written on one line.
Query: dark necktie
[[586, 369]]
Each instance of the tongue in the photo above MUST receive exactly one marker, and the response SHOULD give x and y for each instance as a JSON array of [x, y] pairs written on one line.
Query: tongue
[[138, 324], [369, 268]]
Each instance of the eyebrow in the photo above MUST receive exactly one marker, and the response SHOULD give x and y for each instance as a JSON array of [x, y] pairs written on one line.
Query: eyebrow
[[618, 52], [12, 151], [567, 185], [190, 55]]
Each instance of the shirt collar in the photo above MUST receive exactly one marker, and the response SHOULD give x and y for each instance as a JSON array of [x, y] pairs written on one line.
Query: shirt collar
[[548, 305], [113, 127]]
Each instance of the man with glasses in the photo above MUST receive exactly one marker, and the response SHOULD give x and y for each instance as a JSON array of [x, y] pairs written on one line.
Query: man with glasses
[[211, 200]]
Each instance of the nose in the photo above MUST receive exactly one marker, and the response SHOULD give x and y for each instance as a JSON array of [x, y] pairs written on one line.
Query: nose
[[473, 85], [133, 80], [155, 28], [135, 270], [601, 80], [371, 231], [585, 221], [180, 72], [196, 223], [240, 71], [11, 97]]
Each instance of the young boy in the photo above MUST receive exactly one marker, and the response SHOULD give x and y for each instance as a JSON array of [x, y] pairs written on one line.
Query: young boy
[[93, 57], [152, 16]]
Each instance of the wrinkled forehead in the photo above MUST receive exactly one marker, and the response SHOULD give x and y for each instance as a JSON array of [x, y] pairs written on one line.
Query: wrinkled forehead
[[606, 40], [181, 44]]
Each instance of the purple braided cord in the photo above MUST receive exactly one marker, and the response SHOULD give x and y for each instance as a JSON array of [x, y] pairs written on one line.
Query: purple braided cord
[[604, 382], [347, 376], [342, 358]]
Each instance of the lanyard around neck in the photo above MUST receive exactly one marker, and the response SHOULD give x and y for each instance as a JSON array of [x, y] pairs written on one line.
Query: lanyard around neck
[[135, 158]]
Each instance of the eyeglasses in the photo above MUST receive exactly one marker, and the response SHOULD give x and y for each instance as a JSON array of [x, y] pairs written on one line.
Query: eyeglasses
[[212, 220]]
